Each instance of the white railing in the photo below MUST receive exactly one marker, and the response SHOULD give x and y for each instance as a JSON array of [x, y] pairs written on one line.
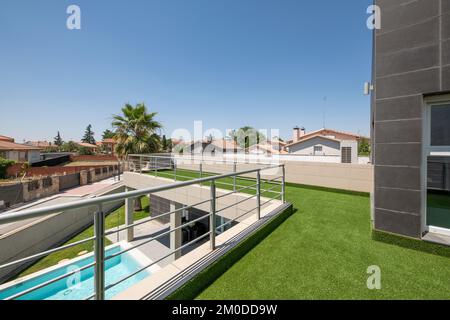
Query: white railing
[[150, 163]]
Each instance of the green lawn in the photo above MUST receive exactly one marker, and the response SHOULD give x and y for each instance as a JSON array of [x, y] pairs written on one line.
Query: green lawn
[[112, 220], [323, 251], [226, 183]]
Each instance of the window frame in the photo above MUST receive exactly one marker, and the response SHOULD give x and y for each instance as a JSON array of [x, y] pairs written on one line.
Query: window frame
[[429, 150]]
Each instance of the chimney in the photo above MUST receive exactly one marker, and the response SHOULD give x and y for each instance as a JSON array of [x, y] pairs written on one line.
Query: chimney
[[302, 131], [296, 134]]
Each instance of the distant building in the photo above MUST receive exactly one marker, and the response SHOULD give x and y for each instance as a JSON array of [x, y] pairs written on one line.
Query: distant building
[[18, 152], [42, 144], [324, 143], [213, 147], [268, 148], [107, 145], [93, 147]]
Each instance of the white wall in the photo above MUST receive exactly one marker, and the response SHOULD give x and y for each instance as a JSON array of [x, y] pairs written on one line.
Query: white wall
[[34, 156], [354, 177], [329, 147]]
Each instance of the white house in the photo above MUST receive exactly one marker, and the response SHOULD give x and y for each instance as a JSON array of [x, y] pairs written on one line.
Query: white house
[[18, 152], [324, 143]]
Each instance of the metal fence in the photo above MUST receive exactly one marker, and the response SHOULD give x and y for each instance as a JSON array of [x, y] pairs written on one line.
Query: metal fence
[[148, 163]]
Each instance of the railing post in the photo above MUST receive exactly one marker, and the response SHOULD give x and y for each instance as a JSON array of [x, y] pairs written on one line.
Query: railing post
[[283, 184], [258, 194], [201, 171], [175, 168], [99, 254], [140, 164], [156, 166], [234, 177], [212, 217]]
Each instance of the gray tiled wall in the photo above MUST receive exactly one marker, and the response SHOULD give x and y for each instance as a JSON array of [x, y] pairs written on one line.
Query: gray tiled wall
[[412, 59]]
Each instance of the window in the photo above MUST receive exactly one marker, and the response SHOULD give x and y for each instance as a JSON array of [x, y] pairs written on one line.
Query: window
[[437, 159], [3, 154], [317, 149], [346, 155], [23, 156], [439, 126]]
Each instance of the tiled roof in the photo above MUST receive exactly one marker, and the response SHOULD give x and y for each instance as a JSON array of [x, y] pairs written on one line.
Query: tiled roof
[[11, 146], [323, 133], [268, 148], [40, 144], [5, 138], [86, 145]]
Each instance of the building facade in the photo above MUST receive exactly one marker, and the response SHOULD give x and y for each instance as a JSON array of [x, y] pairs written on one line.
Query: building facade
[[324, 143], [411, 118]]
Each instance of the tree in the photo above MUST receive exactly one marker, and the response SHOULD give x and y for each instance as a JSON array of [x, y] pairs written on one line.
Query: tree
[[136, 130], [4, 165], [108, 134], [164, 143], [247, 136], [69, 147], [88, 135], [364, 147], [58, 141], [83, 151]]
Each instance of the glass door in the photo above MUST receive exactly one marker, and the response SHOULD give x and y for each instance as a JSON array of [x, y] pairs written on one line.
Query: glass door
[[437, 153]]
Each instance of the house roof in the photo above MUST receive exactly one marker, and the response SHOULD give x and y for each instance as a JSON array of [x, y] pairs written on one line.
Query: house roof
[[86, 145], [266, 147], [5, 138], [106, 141], [40, 144], [11, 146], [324, 133], [220, 143], [225, 144]]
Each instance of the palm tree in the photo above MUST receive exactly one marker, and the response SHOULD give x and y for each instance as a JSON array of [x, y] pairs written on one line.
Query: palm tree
[[136, 130]]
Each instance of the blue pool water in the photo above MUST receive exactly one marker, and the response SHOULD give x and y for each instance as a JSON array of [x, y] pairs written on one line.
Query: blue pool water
[[80, 286]]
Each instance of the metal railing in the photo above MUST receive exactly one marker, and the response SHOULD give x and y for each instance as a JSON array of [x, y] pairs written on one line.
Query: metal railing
[[99, 219]]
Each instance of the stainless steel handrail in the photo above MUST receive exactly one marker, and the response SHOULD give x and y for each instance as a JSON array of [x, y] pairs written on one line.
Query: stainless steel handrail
[[100, 234]]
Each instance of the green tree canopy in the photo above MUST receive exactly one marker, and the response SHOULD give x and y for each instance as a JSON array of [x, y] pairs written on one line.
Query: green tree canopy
[[88, 135], [108, 134], [69, 147], [247, 136], [136, 130], [364, 147], [58, 140]]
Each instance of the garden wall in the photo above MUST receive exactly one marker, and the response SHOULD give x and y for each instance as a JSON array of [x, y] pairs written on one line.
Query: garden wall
[[48, 185]]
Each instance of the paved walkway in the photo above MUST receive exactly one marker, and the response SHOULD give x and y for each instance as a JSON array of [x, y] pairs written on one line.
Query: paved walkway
[[154, 250]]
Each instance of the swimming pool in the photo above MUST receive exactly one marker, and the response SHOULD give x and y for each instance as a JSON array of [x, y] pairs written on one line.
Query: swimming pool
[[79, 286]]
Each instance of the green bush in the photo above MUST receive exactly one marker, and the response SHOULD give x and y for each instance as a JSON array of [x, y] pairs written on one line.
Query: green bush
[[4, 165], [83, 151]]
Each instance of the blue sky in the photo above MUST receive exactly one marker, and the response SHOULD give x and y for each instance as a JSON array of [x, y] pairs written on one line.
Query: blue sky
[[230, 63]]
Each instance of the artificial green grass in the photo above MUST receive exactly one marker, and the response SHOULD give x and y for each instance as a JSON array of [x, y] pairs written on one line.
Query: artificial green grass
[[112, 220], [225, 183], [196, 285], [323, 251]]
